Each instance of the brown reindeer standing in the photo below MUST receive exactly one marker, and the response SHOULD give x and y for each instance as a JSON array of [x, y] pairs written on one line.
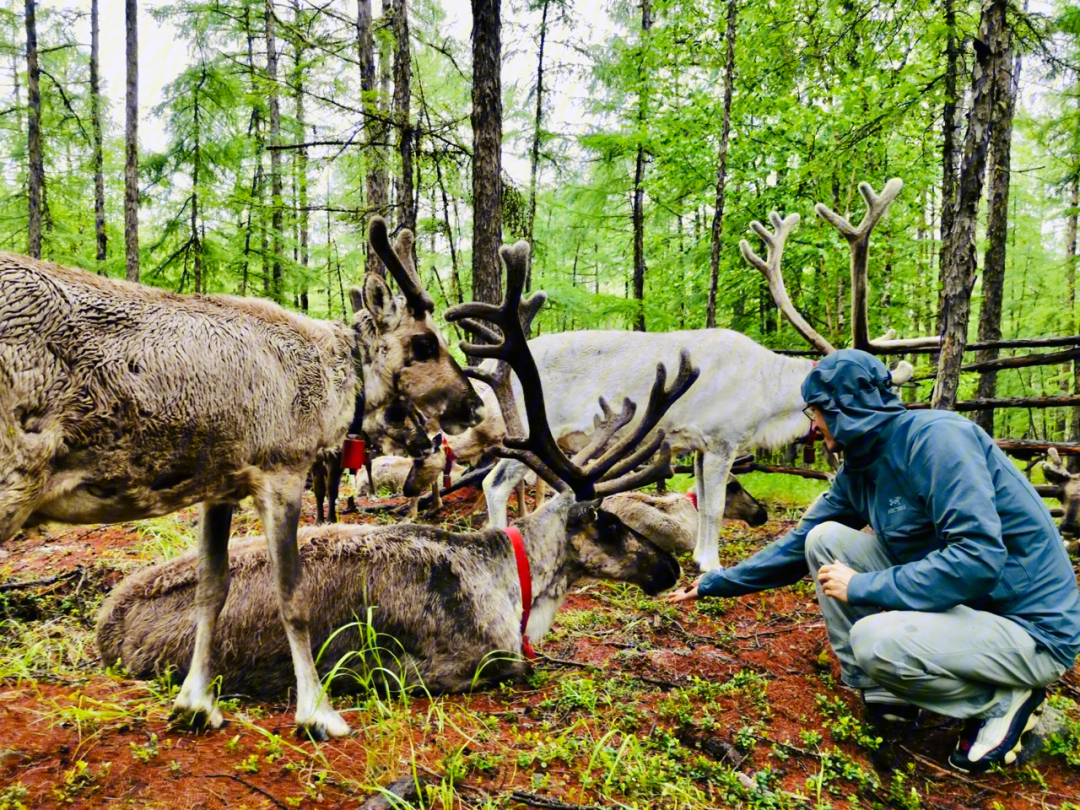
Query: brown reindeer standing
[[123, 402], [409, 605]]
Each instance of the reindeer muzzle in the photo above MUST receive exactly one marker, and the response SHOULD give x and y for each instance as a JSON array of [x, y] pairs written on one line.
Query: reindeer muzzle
[[664, 576]]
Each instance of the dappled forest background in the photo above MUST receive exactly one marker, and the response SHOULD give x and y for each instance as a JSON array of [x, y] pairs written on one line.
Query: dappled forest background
[[638, 141]]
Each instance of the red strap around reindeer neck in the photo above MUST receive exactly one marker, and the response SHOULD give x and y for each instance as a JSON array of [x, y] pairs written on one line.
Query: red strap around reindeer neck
[[518, 543]]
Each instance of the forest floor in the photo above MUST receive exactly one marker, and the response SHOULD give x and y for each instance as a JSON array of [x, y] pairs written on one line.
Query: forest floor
[[634, 703]]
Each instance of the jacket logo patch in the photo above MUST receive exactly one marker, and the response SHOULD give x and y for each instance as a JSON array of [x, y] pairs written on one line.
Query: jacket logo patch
[[896, 505]]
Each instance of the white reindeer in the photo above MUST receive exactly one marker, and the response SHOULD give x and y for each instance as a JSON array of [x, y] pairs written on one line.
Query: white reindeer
[[747, 396]]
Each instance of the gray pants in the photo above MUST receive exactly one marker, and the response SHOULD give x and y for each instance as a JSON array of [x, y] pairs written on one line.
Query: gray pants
[[953, 662]]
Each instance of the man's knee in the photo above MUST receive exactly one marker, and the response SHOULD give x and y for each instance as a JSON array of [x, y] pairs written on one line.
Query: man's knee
[[878, 647], [822, 543]]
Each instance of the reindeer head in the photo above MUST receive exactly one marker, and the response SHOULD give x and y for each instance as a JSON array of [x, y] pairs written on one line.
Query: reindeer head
[[399, 347], [602, 545], [1068, 492], [606, 548]]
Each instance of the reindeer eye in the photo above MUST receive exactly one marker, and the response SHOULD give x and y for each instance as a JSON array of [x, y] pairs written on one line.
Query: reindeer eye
[[732, 487], [424, 347], [395, 413]]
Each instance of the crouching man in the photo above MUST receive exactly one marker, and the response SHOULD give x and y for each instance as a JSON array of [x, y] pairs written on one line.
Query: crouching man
[[963, 602]]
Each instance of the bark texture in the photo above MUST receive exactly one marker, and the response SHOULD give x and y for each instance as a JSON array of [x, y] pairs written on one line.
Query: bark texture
[[638, 210], [95, 123], [36, 178], [534, 152], [997, 232], [721, 165], [276, 211], [487, 151], [1073, 462], [301, 167], [405, 131], [958, 248], [131, 144], [374, 125], [950, 127]]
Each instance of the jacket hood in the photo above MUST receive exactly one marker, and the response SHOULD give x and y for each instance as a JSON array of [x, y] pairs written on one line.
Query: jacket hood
[[853, 389]]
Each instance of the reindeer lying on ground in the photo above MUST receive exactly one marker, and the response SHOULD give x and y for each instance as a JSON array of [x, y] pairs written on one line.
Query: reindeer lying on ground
[[671, 520], [122, 402], [446, 608], [1068, 485], [747, 397]]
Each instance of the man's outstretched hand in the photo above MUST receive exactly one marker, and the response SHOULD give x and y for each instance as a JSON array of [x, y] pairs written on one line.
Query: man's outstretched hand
[[834, 579], [688, 594]]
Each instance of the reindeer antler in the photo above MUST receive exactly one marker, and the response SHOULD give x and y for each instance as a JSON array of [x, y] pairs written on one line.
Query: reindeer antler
[[540, 450], [399, 262], [877, 205], [770, 268]]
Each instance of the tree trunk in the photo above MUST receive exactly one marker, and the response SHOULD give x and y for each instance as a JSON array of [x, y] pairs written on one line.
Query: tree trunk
[[36, 178], [374, 128], [196, 158], [638, 212], [402, 90], [95, 122], [950, 127], [534, 155], [487, 151], [997, 232], [992, 59], [721, 165], [1074, 211], [301, 161], [131, 144], [276, 212]]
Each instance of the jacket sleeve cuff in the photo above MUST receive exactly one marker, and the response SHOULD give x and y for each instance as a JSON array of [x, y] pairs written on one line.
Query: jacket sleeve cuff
[[712, 583], [858, 589]]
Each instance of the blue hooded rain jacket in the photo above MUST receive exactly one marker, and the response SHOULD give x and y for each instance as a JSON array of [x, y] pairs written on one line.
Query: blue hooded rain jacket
[[961, 523]]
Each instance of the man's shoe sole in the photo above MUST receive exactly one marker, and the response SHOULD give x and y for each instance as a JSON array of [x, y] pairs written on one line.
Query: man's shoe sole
[[1010, 756]]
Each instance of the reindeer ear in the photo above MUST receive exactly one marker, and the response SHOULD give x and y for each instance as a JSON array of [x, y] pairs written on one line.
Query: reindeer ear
[[356, 298], [380, 302]]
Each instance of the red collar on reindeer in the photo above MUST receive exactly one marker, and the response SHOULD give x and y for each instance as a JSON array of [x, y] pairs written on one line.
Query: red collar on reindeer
[[451, 457], [518, 543]]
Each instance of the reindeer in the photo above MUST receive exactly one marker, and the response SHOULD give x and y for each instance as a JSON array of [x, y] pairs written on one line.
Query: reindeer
[[397, 426], [123, 402], [1068, 493], [447, 608], [747, 396]]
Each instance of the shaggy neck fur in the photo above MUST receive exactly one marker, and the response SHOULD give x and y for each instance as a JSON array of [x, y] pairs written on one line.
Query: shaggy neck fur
[[784, 421], [376, 377], [552, 563]]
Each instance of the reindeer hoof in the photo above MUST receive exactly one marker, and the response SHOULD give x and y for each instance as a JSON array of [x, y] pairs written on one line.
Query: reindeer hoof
[[199, 719], [321, 730], [707, 562]]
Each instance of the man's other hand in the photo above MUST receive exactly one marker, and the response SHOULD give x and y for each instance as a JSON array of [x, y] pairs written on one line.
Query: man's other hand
[[688, 594], [834, 579]]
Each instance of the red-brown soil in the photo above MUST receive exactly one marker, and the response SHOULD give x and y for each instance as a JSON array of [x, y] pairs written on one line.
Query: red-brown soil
[[630, 689]]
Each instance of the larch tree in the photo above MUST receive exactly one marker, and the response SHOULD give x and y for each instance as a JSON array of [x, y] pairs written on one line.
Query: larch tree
[[36, 177], [277, 218], [638, 202], [487, 150], [95, 123], [374, 123], [997, 232], [402, 91], [131, 143], [993, 59], [721, 164]]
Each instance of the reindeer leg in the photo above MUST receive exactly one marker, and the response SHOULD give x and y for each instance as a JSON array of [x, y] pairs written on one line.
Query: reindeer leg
[[498, 485], [195, 704], [279, 507], [318, 486], [436, 497], [715, 466], [333, 474], [519, 490]]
